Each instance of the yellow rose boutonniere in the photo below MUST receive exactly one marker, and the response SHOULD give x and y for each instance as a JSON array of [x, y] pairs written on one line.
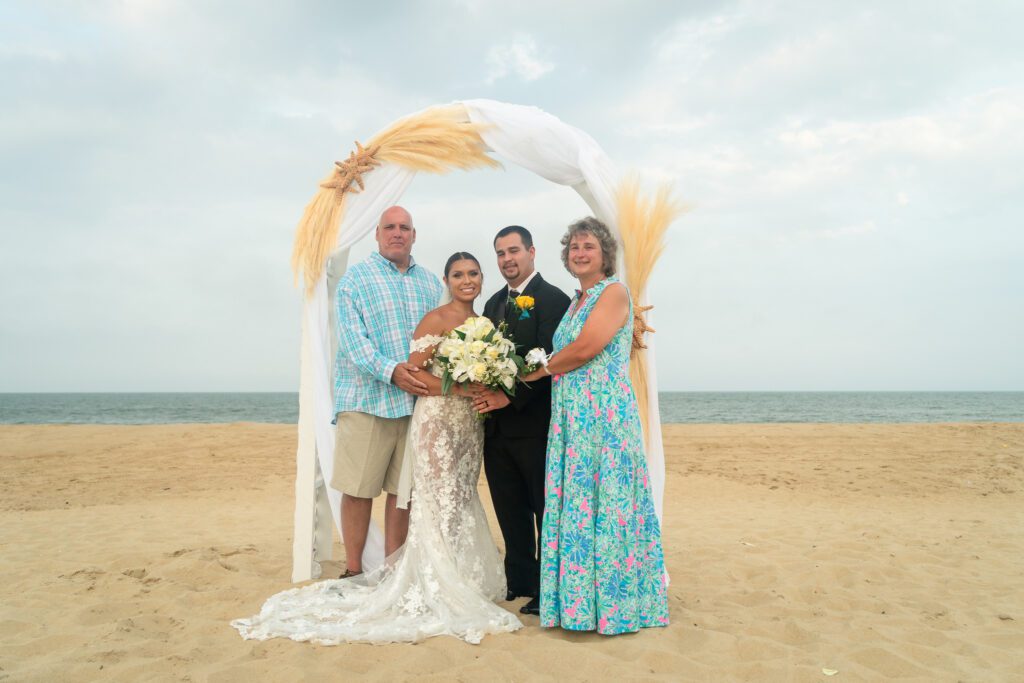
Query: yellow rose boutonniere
[[523, 304]]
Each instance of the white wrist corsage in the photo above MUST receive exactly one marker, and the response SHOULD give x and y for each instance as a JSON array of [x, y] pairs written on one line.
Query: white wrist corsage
[[537, 358]]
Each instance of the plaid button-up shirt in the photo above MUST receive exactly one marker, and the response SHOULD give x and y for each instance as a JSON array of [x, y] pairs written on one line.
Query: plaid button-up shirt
[[378, 309]]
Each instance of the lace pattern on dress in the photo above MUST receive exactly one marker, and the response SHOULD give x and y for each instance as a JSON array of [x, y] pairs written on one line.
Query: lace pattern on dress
[[446, 577]]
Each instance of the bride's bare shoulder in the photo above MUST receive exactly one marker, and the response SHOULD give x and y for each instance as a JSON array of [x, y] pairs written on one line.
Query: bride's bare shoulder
[[433, 322]]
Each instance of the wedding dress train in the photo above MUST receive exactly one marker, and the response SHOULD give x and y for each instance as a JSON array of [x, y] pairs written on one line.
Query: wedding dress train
[[446, 577]]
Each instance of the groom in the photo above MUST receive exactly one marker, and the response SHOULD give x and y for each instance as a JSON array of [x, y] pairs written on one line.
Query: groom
[[516, 436]]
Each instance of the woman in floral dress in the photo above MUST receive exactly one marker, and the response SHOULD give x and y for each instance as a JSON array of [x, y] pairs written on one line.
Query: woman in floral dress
[[602, 565]]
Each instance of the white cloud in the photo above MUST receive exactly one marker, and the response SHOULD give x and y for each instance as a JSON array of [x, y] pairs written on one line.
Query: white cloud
[[10, 52], [678, 126], [692, 42], [472, 6], [979, 122], [679, 55], [845, 231], [518, 58], [977, 129], [801, 139]]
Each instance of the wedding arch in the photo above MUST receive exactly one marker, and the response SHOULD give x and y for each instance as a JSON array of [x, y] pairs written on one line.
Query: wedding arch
[[346, 208]]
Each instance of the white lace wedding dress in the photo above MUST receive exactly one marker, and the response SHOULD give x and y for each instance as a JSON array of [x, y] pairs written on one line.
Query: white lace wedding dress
[[446, 577]]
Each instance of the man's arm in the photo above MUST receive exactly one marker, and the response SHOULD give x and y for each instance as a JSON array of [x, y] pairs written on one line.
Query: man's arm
[[355, 338]]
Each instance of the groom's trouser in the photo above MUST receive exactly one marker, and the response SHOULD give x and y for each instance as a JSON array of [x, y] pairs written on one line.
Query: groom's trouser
[[515, 475]]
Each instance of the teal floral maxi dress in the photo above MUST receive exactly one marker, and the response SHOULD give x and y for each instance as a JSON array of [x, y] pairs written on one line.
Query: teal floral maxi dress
[[602, 565]]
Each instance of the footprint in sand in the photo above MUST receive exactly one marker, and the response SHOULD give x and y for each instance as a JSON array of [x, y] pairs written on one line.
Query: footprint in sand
[[88, 574], [215, 554]]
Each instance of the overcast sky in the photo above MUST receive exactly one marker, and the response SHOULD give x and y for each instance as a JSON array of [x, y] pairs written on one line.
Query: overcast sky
[[853, 169]]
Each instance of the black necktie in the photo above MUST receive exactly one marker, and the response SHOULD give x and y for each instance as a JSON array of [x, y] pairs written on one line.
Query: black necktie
[[510, 306]]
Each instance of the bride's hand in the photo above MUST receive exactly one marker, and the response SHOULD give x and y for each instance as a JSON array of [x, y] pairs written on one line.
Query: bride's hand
[[467, 390]]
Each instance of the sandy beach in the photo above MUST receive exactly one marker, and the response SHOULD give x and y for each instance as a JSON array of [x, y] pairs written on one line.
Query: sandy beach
[[880, 552]]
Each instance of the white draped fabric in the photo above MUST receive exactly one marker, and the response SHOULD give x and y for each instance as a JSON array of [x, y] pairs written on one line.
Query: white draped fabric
[[522, 135]]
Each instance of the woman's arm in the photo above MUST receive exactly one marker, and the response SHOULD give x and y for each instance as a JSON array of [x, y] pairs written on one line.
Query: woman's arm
[[607, 318], [431, 325]]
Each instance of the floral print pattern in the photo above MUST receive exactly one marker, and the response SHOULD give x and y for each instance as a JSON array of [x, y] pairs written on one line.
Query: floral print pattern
[[602, 564]]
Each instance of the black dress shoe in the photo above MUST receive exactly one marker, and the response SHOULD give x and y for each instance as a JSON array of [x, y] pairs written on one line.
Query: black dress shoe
[[532, 607], [511, 595]]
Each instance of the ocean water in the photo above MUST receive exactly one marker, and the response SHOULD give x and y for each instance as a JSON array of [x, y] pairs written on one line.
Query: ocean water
[[842, 406], [693, 407]]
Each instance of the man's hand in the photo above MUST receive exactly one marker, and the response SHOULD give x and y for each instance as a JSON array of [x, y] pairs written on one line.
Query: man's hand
[[404, 377], [488, 400]]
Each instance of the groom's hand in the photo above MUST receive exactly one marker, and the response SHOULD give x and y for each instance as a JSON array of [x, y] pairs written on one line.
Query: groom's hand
[[488, 400], [404, 377]]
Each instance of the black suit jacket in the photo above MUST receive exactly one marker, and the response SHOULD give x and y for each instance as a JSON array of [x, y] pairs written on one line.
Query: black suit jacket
[[530, 409]]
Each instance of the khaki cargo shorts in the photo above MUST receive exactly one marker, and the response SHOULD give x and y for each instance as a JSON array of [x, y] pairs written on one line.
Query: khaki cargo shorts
[[368, 454]]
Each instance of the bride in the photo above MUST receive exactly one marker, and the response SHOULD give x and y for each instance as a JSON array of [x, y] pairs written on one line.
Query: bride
[[447, 576]]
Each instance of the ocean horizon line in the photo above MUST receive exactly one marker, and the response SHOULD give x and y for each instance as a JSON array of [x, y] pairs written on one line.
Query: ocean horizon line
[[705, 407]]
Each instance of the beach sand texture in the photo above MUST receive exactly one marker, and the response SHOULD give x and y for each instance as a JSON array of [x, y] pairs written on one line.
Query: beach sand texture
[[884, 552]]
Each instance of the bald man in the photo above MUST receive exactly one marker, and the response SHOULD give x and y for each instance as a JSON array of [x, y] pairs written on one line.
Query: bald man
[[379, 302]]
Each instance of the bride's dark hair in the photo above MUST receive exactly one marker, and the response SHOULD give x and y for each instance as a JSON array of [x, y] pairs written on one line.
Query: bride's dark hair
[[459, 256]]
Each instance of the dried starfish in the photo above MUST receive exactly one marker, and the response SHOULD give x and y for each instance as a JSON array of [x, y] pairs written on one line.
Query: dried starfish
[[640, 326], [350, 171]]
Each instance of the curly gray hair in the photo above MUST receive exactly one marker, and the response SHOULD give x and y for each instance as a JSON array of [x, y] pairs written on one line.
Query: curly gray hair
[[592, 226]]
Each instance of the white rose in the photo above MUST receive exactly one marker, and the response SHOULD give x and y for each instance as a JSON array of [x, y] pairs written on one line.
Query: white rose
[[479, 327], [446, 348], [477, 372]]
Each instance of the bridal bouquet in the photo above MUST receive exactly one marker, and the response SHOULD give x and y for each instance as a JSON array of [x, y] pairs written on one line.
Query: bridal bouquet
[[476, 351]]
